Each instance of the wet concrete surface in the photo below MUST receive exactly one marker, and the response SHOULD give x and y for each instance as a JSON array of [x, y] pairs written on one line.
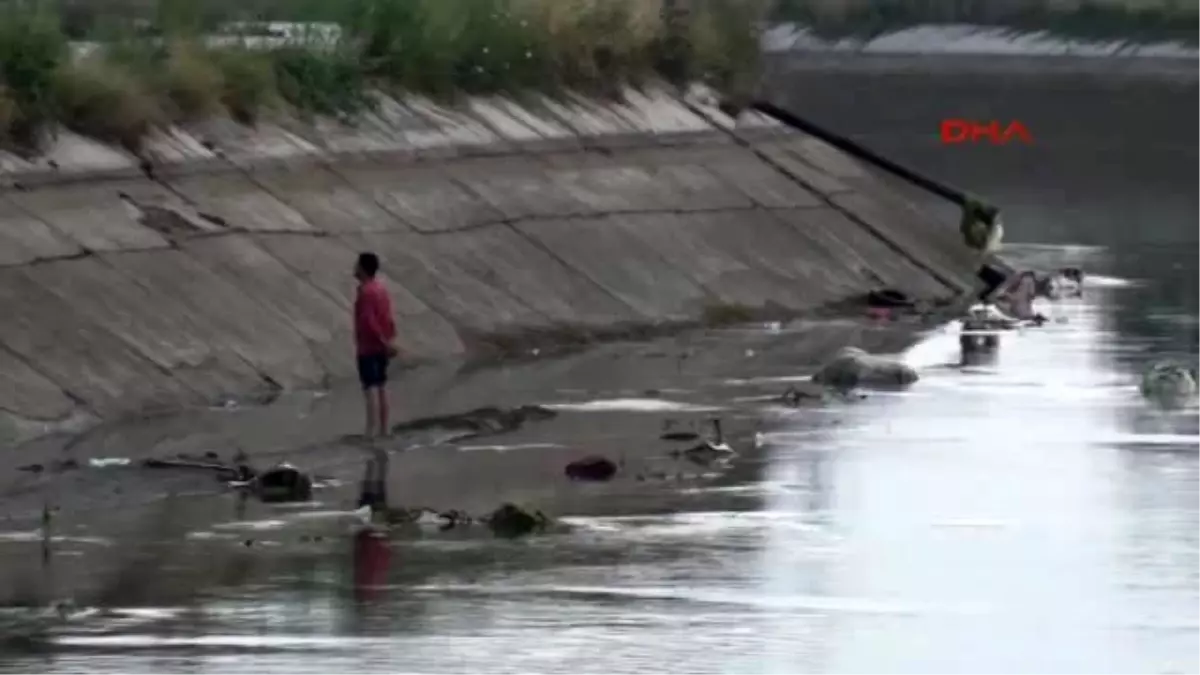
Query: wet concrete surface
[[1032, 515]]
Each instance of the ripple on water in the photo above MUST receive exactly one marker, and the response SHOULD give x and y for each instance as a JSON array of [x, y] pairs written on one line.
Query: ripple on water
[[35, 536], [649, 405], [697, 524], [899, 545], [251, 642], [833, 605], [508, 448]]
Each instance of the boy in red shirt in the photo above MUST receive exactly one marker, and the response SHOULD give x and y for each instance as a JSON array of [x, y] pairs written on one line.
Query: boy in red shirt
[[374, 338]]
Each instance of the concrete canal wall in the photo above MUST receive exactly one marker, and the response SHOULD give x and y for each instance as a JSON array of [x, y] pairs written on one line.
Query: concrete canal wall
[[220, 266]]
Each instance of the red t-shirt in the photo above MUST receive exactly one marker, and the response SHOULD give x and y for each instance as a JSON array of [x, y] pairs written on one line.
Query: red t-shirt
[[374, 328]]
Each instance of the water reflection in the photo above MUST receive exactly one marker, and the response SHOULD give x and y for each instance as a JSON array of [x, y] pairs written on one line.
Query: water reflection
[[1027, 515]]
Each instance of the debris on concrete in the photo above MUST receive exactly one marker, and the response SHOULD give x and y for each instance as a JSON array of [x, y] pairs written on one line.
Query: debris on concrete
[[480, 421], [282, 483], [511, 521], [57, 466], [508, 521], [889, 298], [670, 433], [1066, 282], [805, 392], [853, 367], [105, 462], [710, 452], [592, 468]]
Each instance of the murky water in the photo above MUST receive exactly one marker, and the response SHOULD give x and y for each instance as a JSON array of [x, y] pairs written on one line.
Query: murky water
[[1033, 515], [1029, 516]]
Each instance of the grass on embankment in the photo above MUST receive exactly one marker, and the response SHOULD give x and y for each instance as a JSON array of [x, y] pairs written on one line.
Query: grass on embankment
[[151, 68], [1137, 21]]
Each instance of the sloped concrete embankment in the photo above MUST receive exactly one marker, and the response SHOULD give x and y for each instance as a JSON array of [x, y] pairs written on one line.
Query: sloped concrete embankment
[[221, 267]]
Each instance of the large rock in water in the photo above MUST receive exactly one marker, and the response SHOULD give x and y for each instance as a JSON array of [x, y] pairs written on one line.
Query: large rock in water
[[591, 468], [281, 484], [511, 521], [1169, 384], [852, 367]]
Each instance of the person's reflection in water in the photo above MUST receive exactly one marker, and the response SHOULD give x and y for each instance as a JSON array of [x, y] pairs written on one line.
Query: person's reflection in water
[[372, 556]]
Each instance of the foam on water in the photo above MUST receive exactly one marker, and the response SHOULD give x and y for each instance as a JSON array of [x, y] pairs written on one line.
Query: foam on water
[[699, 524], [34, 536], [643, 405], [1101, 281], [272, 642], [837, 605], [507, 448], [252, 525]]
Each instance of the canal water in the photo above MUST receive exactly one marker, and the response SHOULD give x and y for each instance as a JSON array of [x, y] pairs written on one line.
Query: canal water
[[1031, 515]]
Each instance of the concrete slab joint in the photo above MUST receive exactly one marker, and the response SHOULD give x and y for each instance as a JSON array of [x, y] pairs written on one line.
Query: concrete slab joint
[[497, 217]]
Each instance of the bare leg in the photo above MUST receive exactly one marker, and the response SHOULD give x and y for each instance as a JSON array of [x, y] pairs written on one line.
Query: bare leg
[[373, 490], [372, 402], [383, 410]]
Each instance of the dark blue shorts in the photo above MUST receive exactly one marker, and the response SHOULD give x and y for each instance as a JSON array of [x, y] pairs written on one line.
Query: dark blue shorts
[[372, 370]]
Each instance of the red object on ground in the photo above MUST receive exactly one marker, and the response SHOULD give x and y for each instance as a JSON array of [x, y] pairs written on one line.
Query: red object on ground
[[374, 328], [880, 313]]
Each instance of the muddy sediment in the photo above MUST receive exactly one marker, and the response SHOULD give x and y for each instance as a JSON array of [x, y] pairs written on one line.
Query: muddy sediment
[[527, 421]]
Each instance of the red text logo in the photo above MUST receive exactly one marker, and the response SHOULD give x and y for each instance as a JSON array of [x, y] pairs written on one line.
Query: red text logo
[[971, 131]]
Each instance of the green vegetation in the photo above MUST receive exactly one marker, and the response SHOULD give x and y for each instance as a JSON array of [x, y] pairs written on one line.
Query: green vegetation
[[977, 223], [1137, 21], [156, 63]]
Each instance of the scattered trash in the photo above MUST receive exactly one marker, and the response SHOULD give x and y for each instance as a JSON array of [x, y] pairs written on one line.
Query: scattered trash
[[888, 298], [794, 395], [687, 435], [1169, 384], [852, 367], [282, 483], [486, 420], [511, 521], [711, 451], [103, 462], [680, 436], [56, 466], [223, 472], [591, 468]]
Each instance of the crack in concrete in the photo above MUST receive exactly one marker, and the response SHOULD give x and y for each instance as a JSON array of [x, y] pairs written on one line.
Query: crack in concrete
[[828, 200], [178, 227]]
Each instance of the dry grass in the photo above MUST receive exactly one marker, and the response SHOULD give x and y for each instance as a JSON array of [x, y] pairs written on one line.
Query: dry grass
[[441, 48], [192, 82], [104, 100]]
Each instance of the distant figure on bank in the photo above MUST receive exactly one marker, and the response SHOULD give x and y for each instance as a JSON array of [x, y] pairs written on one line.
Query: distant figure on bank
[[375, 341]]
